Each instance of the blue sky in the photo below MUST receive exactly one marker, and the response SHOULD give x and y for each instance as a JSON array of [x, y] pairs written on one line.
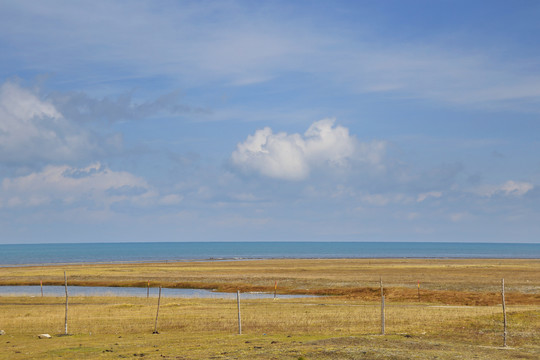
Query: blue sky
[[271, 121]]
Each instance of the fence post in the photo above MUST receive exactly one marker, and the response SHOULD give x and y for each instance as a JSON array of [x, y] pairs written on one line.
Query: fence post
[[382, 316], [382, 306], [66, 319], [504, 312], [239, 316], [41, 286], [157, 313], [148, 289]]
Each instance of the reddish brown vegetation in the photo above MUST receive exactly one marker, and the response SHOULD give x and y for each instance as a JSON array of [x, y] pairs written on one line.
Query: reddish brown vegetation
[[393, 294]]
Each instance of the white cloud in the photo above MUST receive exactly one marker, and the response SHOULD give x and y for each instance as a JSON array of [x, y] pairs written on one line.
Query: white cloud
[[384, 199], [244, 197], [412, 215], [274, 155], [32, 129], [93, 186], [376, 199], [516, 188], [293, 156], [509, 188], [171, 199], [424, 196], [254, 46], [457, 217]]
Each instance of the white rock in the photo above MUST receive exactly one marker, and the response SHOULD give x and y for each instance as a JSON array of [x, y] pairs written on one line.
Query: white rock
[[2, 332], [44, 336]]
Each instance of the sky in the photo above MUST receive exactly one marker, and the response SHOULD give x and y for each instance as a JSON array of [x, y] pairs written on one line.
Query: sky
[[299, 120]]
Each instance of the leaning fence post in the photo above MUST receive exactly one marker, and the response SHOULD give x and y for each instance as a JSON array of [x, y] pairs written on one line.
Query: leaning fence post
[[66, 320], [239, 316], [157, 313], [504, 312]]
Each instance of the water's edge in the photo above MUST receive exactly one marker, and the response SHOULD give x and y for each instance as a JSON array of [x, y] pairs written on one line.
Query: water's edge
[[54, 290]]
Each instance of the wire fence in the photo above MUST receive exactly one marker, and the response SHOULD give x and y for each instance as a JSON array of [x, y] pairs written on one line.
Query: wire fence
[[292, 316]]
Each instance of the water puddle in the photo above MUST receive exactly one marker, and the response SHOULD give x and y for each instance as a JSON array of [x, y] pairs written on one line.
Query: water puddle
[[35, 291]]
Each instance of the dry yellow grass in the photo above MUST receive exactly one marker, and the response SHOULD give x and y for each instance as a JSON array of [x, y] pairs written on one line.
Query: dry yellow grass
[[332, 327], [125, 325]]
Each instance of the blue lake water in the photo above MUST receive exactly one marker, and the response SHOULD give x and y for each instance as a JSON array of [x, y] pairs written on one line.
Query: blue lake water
[[21, 254]]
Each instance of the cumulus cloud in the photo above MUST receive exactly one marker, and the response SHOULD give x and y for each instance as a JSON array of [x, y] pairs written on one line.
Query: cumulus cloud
[[32, 129], [294, 156], [509, 188], [92, 186]]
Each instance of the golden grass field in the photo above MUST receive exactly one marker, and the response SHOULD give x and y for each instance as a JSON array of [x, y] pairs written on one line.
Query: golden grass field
[[458, 315]]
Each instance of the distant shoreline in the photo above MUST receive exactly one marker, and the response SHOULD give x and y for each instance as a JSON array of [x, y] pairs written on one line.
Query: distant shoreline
[[175, 261], [163, 252]]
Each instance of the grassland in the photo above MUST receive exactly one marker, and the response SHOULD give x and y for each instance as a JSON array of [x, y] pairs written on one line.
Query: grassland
[[458, 314]]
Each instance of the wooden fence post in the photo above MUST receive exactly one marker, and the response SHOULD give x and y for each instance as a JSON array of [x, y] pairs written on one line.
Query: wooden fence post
[[239, 315], [148, 289], [41, 286], [66, 320], [157, 313], [382, 316], [382, 307], [504, 312]]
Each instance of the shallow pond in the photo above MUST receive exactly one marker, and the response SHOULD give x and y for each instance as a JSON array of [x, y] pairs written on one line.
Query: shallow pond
[[34, 290]]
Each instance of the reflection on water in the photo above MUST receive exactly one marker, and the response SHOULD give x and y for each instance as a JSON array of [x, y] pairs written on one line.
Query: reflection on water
[[131, 291]]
